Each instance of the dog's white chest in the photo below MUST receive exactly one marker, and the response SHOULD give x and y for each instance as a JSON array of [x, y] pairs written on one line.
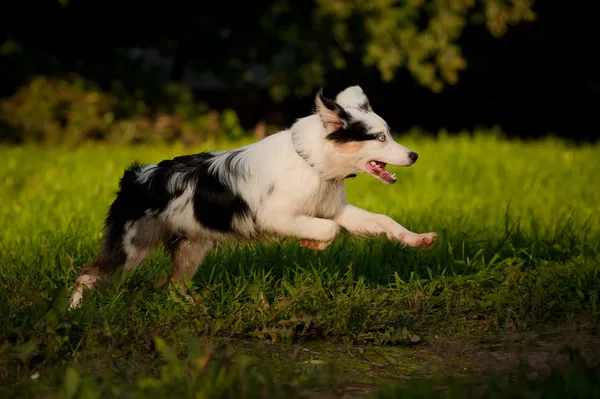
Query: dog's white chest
[[323, 201]]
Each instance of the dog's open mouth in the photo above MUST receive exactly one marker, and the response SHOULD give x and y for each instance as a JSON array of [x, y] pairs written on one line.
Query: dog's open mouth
[[377, 169]]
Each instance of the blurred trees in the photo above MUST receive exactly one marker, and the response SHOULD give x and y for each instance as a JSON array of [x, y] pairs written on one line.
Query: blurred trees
[[301, 43], [412, 51], [419, 35]]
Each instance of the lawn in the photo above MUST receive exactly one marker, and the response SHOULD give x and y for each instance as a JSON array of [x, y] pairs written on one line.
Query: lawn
[[515, 275]]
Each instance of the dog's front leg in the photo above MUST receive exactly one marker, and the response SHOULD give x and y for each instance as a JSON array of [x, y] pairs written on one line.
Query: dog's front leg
[[316, 233], [364, 223]]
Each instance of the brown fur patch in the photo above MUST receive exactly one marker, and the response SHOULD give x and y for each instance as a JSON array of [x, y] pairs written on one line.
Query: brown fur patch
[[349, 148], [148, 233], [187, 257], [315, 245]]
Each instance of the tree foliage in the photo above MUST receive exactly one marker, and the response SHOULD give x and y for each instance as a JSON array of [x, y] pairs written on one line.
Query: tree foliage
[[302, 44], [418, 35]]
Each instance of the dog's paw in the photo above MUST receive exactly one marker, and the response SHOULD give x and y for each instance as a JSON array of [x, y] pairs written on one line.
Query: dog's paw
[[425, 240], [315, 245], [75, 301]]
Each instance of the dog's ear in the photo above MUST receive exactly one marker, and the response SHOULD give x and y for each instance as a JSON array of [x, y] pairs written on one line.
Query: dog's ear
[[333, 115], [353, 96]]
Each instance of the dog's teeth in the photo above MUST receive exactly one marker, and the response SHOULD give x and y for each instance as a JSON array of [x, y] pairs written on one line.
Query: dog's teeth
[[373, 163]]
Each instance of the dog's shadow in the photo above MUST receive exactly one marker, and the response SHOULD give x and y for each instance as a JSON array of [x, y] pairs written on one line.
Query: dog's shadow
[[379, 260]]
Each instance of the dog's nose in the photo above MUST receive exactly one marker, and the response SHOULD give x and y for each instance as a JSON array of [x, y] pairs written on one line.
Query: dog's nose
[[413, 156]]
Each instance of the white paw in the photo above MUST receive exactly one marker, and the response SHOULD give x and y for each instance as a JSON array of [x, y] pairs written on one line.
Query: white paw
[[75, 300], [425, 240]]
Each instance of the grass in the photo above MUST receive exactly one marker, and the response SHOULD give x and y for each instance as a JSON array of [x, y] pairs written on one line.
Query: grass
[[514, 276]]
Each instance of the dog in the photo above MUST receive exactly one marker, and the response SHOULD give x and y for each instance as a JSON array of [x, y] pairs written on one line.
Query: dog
[[289, 184]]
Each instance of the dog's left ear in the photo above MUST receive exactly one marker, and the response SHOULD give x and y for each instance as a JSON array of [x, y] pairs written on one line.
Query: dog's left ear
[[333, 115]]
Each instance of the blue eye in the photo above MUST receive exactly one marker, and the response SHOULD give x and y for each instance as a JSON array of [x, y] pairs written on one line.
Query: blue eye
[[381, 137]]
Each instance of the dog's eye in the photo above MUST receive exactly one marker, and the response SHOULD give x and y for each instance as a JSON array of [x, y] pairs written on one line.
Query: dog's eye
[[381, 137]]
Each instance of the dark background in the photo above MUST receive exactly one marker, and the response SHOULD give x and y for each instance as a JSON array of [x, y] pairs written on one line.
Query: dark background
[[540, 78]]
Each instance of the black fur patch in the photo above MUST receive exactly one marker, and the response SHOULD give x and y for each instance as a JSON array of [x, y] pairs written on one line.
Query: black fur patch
[[354, 131], [134, 199], [365, 106], [334, 106], [215, 205], [189, 160]]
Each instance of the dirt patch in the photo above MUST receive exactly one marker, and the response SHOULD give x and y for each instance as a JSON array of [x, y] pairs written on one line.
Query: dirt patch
[[540, 351], [348, 371]]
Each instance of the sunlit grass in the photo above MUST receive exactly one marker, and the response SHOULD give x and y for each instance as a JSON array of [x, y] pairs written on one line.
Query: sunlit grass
[[518, 240]]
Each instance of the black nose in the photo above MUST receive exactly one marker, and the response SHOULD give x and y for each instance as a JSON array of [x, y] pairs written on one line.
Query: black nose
[[413, 156]]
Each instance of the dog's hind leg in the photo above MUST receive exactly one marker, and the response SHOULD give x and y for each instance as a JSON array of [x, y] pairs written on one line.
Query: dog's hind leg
[[138, 240], [100, 269], [186, 256]]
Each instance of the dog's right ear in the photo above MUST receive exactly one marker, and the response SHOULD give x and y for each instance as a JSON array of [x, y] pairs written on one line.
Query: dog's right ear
[[354, 96], [333, 115]]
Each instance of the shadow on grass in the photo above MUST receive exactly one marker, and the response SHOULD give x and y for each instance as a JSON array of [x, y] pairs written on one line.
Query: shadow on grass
[[188, 367], [378, 260]]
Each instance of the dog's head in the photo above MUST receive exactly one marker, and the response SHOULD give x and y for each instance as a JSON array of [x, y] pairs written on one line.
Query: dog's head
[[359, 136]]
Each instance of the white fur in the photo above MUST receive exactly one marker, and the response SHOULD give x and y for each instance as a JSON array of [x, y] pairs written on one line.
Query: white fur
[[353, 97], [146, 173]]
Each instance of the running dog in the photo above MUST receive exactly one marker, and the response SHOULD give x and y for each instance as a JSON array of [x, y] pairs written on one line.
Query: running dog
[[290, 184]]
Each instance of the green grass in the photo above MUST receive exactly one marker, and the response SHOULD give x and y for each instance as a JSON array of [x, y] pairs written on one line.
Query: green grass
[[518, 253]]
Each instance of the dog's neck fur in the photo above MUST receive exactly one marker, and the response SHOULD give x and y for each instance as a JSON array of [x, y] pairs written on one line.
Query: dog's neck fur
[[308, 139]]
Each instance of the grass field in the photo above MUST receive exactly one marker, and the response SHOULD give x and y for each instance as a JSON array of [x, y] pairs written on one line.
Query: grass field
[[514, 275]]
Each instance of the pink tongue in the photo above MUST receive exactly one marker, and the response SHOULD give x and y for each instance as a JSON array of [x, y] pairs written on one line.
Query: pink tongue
[[387, 176], [384, 174]]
